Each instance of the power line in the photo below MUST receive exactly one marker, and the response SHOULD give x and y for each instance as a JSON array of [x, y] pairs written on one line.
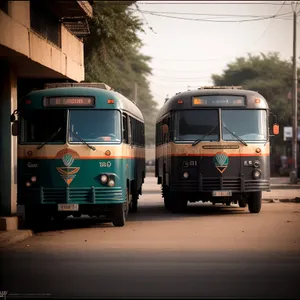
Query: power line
[[180, 71], [218, 21], [202, 14], [150, 27], [201, 60], [271, 21], [210, 3]]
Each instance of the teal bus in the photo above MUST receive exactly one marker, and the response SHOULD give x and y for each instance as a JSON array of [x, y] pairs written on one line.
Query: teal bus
[[81, 151]]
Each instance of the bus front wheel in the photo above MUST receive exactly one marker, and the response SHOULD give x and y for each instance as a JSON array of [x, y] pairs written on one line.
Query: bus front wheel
[[35, 219], [120, 212], [178, 203], [254, 202]]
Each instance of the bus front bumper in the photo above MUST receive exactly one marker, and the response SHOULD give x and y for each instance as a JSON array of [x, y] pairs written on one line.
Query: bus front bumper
[[71, 195]]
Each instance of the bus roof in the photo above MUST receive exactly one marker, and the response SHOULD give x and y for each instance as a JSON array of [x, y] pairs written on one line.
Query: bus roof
[[101, 95], [186, 99]]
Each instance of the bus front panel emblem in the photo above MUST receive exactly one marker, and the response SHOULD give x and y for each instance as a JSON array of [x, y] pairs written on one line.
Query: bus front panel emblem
[[221, 161], [68, 173]]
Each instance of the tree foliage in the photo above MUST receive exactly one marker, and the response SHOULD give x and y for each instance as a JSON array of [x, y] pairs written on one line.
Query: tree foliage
[[112, 55], [266, 74]]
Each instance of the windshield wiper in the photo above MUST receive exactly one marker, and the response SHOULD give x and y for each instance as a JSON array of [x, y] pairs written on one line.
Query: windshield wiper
[[50, 139], [81, 140], [204, 136], [236, 136]]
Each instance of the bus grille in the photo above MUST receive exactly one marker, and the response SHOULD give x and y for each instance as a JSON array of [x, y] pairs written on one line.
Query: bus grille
[[212, 184], [71, 195]]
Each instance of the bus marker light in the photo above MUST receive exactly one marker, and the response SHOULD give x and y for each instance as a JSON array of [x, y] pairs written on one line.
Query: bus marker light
[[28, 184], [110, 101], [111, 183], [257, 100], [28, 101], [107, 152], [257, 150], [180, 101], [33, 178]]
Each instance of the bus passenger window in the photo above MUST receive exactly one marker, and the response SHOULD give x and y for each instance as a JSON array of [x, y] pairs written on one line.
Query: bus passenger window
[[125, 129]]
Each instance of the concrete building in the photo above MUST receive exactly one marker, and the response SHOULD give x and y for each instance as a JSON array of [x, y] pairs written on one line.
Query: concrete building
[[40, 41]]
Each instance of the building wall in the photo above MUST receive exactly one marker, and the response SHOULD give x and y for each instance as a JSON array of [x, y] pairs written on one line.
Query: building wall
[[16, 35]]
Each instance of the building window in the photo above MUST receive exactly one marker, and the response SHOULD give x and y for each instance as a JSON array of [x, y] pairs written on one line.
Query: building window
[[45, 23], [4, 5]]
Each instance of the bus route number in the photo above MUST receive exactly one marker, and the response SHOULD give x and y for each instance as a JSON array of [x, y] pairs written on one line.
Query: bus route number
[[105, 164]]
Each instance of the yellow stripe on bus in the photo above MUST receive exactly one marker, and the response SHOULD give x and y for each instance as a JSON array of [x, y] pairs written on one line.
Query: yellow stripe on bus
[[210, 149], [81, 151]]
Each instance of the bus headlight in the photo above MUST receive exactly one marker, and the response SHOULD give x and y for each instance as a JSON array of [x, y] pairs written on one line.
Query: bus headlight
[[186, 175], [256, 174], [104, 178], [33, 178], [111, 183]]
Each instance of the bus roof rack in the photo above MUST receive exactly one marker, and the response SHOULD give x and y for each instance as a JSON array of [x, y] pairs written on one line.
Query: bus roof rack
[[98, 85], [232, 87]]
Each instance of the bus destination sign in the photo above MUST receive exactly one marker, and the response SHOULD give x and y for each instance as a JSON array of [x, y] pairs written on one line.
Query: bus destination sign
[[219, 100], [69, 101]]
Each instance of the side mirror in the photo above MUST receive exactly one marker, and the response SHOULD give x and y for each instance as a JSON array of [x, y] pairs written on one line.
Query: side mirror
[[275, 129], [15, 128]]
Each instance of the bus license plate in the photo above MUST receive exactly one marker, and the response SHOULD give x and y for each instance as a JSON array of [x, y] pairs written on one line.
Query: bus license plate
[[68, 207], [222, 193]]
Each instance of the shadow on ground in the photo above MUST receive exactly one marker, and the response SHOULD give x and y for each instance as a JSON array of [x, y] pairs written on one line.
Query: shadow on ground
[[150, 212]]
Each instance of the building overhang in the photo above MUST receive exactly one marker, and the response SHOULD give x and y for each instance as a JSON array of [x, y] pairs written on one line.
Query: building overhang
[[73, 14], [70, 8]]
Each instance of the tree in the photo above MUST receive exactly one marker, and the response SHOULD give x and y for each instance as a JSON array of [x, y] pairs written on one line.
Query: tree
[[112, 56], [268, 75]]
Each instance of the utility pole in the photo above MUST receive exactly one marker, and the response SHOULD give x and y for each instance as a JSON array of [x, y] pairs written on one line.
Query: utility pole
[[134, 93], [294, 172]]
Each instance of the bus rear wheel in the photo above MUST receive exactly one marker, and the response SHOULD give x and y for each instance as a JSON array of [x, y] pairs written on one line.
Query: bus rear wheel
[[254, 202], [120, 212], [178, 203], [167, 197], [133, 207]]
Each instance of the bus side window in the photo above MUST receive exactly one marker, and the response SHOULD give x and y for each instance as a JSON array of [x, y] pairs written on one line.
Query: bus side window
[[125, 129]]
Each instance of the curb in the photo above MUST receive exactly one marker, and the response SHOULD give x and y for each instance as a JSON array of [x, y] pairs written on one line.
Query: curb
[[8, 238], [293, 200]]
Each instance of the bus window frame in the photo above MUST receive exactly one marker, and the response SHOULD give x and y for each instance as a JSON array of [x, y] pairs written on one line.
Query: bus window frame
[[176, 124], [68, 133], [248, 141]]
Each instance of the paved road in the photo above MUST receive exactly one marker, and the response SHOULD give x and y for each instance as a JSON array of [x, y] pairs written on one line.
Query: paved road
[[206, 252]]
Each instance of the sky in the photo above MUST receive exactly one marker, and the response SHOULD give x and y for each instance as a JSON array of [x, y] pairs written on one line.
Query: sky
[[185, 53]]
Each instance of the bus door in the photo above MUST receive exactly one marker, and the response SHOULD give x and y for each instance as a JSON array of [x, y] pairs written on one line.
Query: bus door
[[166, 146]]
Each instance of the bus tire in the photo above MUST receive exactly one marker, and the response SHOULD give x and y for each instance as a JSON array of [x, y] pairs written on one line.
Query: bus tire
[[35, 219], [134, 200], [254, 202], [120, 212], [134, 203], [167, 197], [242, 202], [178, 203]]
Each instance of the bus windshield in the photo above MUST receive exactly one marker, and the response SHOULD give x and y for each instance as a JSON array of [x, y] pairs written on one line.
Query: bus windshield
[[39, 126], [195, 124], [95, 126], [249, 125]]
